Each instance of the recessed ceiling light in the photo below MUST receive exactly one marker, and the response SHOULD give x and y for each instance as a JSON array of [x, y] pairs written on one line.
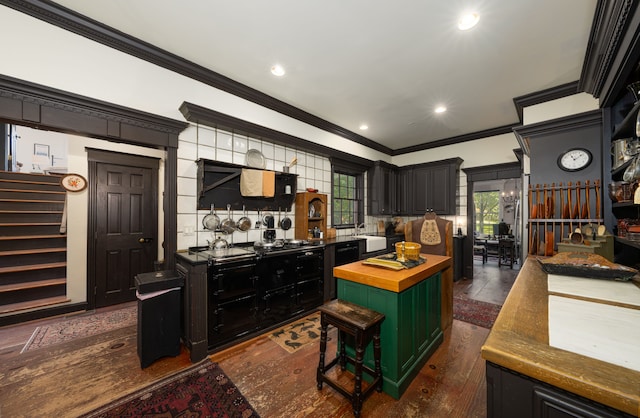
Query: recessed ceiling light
[[440, 109], [277, 70], [468, 20], [364, 127]]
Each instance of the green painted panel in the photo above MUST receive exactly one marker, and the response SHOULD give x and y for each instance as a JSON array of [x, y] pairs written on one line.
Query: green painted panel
[[410, 332]]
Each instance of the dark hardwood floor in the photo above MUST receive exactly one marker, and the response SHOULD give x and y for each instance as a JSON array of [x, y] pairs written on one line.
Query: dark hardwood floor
[[68, 379]]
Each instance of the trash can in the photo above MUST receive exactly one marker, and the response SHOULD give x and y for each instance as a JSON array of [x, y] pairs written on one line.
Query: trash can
[[159, 315]]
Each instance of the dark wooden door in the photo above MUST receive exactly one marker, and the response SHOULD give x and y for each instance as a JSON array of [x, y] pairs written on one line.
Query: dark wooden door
[[126, 232]]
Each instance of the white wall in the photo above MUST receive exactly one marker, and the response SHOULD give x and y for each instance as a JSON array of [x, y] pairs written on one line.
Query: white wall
[[570, 105]]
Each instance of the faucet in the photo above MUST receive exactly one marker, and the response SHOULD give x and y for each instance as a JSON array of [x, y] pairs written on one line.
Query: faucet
[[357, 228]]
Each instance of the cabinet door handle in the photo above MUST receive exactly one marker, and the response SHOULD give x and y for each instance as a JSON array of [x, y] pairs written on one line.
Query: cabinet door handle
[[145, 240]]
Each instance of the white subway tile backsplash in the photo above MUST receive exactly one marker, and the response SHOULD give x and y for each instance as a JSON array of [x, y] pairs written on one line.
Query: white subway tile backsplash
[[187, 204], [268, 150], [186, 186], [206, 152], [224, 155], [254, 144], [239, 157], [187, 168], [190, 134], [188, 151], [207, 136], [224, 140], [240, 143]]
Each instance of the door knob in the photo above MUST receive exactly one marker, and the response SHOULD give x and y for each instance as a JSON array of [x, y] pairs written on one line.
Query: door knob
[[145, 240]]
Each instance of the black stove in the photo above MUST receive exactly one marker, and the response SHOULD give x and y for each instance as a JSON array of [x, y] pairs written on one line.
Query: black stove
[[248, 250]]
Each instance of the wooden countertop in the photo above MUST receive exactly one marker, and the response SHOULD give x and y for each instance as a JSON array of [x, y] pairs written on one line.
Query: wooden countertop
[[519, 341], [395, 281]]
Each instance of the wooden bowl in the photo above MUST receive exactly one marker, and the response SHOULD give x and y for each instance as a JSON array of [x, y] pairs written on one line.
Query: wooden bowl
[[408, 251]]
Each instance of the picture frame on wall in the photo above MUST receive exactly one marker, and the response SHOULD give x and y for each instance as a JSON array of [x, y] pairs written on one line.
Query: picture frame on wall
[[41, 150]]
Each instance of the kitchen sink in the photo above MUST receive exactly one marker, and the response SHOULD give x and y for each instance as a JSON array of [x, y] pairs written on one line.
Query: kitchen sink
[[374, 243]]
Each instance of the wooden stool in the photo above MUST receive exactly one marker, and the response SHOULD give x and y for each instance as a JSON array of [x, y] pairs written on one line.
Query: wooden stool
[[364, 325]]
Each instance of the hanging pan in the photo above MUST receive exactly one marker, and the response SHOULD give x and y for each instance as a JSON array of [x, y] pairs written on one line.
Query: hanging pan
[[211, 221], [285, 224], [244, 223], [228, 225]]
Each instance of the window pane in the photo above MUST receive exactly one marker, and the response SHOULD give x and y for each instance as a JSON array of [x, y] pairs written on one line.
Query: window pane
[[487, 211], [345, 192]]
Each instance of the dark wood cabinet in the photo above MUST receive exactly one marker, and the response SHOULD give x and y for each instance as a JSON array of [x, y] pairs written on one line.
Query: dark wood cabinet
[[403, 194], [514, 395], [414, 189], [382, 188], [434, 186]]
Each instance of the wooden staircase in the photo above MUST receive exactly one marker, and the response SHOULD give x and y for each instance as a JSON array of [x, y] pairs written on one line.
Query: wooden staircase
[[33, 252]]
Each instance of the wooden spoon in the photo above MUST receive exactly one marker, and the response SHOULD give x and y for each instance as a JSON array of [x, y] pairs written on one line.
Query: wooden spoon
[[534, 211], [598, 201], [561, 210], [585, 205], [576, 207], [569, 208]]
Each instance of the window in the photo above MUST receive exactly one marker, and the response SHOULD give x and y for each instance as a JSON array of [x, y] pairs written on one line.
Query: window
[[347, 195], [487, 211]]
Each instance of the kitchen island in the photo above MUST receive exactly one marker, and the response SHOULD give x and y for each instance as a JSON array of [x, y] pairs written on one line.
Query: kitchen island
[[529, 376], [410, 299]]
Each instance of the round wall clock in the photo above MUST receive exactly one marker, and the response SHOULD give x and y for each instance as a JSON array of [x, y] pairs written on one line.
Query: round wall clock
[[73, 182], [575, 159]]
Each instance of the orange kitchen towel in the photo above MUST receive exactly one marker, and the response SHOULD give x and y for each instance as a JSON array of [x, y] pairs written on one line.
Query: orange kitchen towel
[[251, 182], [268, 183]]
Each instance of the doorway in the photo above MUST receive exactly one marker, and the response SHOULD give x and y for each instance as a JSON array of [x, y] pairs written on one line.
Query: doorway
[[123, 224], [476, 177]]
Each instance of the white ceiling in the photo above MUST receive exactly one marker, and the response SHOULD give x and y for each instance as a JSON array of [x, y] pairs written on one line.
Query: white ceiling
[[380, 62]]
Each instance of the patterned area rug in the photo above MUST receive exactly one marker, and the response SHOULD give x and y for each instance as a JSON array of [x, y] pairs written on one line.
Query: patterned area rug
[[201, 391], [85, 325], [482, 314], [294, 336]]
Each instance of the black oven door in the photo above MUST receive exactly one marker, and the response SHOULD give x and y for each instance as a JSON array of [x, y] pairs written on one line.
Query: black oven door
[[309, 279], [232, 301]]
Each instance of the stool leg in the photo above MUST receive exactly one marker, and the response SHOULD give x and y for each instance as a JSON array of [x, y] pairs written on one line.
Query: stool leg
[[357, 391], [343, 351], [323, 348], [377, 356]]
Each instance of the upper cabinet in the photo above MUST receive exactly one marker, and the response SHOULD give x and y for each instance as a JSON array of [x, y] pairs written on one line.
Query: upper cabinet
[[413, 190], [382, 189]]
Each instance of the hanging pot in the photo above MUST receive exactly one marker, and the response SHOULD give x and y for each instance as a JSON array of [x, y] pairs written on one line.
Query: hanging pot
[[285, 224], [228, 225], [244, 223], [211, 221]]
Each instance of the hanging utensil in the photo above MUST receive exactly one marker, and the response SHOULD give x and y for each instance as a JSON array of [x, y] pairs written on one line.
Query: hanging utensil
[[211, 221], [285, 224], [534, 210], [293, 162], [561, 211], [585, 205], [567, 207], [228, 225], [244, 223], [550, 235], [577, 205], [598, 201]]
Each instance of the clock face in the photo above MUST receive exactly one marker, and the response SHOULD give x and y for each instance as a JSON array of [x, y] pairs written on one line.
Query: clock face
[[574, 159]]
